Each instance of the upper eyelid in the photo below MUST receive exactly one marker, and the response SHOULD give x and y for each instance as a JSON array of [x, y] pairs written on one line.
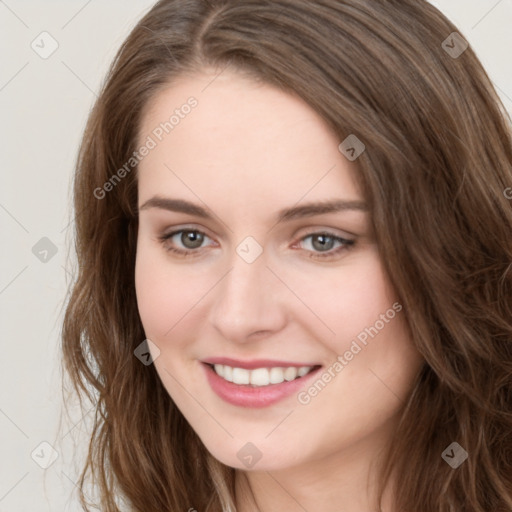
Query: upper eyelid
[[340, 239], [174, 232], [315, 231], [336, 232]]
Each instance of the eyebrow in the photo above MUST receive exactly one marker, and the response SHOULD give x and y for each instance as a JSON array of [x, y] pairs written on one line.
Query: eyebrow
[[286, 214]]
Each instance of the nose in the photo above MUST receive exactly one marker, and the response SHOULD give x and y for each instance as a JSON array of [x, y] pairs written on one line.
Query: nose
[[249, 302]]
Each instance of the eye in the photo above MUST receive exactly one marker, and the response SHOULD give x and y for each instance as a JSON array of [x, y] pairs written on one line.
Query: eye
[[188, 242], [325, 244], [184, 241]]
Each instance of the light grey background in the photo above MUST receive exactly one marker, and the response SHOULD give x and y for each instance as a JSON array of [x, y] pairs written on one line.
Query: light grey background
[[44, 104]]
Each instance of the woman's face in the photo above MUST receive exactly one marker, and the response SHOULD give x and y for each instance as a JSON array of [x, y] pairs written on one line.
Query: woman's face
[[255, 253]]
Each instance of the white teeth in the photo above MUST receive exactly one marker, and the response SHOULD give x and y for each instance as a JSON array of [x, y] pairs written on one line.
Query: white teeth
[[303, 370], [276, 375], [290, 373], [260, 376], [241, 376], [228, 373]]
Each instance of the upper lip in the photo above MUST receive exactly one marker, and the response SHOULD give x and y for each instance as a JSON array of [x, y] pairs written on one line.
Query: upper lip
[[255, 363]]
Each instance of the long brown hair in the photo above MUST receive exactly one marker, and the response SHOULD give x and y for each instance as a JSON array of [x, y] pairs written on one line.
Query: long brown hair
[[437, 163]]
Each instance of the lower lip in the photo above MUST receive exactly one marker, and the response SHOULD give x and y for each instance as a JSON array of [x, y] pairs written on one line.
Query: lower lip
[[254, 397]]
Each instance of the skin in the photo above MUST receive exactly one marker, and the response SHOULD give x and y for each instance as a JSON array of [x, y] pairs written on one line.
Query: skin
[[244, 153]]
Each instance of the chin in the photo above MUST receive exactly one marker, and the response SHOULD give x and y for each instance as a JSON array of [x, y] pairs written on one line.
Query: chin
[[253, 456]]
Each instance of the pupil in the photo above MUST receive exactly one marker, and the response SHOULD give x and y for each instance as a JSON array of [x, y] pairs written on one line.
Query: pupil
[[191, 239], [323, 242]]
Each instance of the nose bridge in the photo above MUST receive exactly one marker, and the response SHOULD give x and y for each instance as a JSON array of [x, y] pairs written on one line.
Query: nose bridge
[[242, 280], [245, 287], [246, 301]]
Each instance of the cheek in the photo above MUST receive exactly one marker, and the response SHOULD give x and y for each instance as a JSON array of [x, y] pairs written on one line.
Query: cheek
[[172, 299], [347, 300], [164, 294]]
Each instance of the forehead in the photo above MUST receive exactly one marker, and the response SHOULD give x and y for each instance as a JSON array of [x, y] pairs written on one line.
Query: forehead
[[246, 140]]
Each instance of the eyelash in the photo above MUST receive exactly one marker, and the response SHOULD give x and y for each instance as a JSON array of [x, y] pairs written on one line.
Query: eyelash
[[346, 244]]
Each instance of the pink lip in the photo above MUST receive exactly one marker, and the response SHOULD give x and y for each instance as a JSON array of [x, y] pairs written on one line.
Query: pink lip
[[255, 363], [255, 397]]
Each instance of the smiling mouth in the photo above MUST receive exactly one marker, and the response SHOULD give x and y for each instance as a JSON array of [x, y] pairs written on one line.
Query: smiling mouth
[[260, 377]]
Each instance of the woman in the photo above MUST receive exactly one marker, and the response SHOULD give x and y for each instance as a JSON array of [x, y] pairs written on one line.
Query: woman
[[294, 246]]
